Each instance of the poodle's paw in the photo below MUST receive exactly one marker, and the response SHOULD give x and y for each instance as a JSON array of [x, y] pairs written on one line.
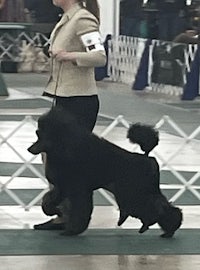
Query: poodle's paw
[[122, 218], [143, 229], [167, 235], [68, 233]]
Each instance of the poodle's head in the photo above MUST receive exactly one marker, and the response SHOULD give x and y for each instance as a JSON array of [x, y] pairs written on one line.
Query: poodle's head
[[53, 127]]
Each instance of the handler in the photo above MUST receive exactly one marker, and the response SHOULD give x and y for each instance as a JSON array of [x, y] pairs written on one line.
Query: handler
[[75, 50]]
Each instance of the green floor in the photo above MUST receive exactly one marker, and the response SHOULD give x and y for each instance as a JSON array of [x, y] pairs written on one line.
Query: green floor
[[101, 242]]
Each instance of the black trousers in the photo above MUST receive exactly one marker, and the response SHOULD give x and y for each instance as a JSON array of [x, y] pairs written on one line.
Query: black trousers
[[84, 108]]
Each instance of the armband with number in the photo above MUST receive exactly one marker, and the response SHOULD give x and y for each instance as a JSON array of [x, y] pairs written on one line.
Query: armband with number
[[92, 41]]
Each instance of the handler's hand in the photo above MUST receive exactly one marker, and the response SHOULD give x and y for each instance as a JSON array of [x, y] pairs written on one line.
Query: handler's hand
[[64, 56]]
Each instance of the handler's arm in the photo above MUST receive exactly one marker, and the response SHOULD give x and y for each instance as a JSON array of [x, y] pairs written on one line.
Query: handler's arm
[[88, 32]]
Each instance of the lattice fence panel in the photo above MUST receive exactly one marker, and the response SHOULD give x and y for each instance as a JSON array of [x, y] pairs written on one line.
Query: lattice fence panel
[[185, 140], [125, 55]]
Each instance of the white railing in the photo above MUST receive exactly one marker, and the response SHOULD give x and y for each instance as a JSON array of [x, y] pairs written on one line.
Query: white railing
[[165, 163], [25, 163]]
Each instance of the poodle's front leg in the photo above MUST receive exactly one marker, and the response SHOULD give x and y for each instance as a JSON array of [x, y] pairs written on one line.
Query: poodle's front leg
[[50, 202], [76, 212]]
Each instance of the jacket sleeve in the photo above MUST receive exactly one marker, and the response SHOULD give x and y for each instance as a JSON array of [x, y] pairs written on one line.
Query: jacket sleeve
[[87, 24]]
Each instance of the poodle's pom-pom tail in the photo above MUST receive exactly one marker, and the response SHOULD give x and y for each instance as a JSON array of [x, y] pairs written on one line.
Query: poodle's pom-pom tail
[[144, 135]]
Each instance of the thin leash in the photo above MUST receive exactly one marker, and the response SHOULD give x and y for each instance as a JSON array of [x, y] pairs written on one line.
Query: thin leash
[[54, 96]]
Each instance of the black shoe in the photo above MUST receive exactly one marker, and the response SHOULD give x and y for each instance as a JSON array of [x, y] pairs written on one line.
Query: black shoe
[[49, 225]]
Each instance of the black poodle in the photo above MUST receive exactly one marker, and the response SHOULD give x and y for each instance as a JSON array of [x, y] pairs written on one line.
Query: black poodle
[[79, 162]]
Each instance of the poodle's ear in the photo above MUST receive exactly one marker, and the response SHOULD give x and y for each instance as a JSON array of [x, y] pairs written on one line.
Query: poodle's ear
[[37, 148]]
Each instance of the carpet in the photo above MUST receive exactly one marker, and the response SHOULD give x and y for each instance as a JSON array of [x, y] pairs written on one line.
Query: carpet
[[98, 242], [187, 105]]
